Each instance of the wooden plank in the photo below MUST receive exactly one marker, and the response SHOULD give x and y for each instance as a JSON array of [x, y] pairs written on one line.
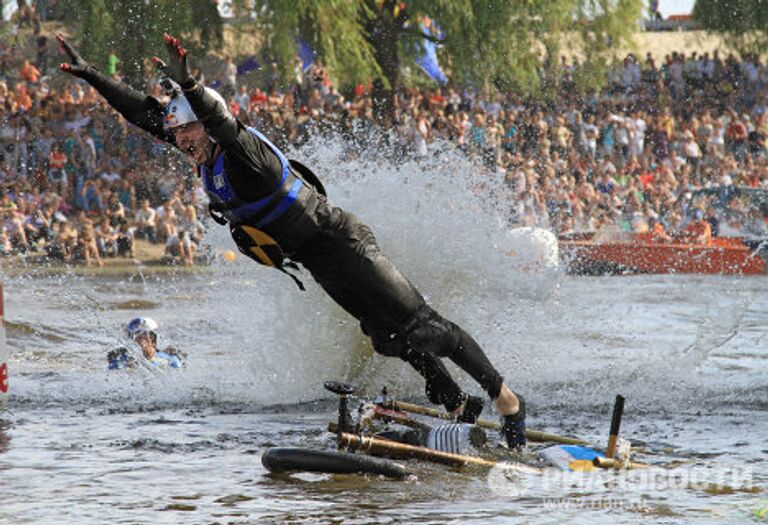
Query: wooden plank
[[393, 449]]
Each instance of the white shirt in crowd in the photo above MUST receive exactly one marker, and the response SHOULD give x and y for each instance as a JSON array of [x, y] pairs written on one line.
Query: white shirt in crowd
[[110, 177], [691, 149], [630, 75], [420, 134], [676, 72], [637, 133], [749, 70], [163, 215], [146, 216]]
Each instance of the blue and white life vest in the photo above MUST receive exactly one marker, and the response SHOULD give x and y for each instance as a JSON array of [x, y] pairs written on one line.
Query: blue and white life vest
[[164, 359], [120, 359], [246, 219], [255, 213]]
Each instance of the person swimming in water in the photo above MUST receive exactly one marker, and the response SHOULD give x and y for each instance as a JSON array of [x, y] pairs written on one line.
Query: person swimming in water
[[143, 331]]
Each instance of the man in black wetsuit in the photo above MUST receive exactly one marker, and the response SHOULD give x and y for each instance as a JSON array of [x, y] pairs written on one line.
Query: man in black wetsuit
[[276, 210]]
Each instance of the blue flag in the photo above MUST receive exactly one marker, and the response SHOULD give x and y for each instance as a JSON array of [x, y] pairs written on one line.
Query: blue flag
[[428, 59]]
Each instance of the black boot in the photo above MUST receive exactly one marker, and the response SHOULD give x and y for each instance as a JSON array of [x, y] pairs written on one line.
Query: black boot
[[513, 426], [472, 409]]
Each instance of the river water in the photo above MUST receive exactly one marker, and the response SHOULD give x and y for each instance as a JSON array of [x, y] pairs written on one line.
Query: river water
[[79, 444]]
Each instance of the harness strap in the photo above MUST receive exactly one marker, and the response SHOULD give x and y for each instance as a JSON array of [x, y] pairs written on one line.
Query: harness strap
[[262, 248], [246, 218], [265, 210], [262, 211], [284, 203], [293, 266], [216, 214]]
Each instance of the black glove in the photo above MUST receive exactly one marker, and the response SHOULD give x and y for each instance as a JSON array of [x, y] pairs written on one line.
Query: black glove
[[176, 69], [76, 66]]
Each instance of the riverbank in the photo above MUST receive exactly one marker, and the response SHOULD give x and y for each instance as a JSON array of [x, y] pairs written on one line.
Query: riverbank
[[149, 260]]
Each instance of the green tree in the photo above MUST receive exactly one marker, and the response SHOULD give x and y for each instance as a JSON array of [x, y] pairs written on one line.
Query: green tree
[[488, 43], [134, 29], [742, 23]]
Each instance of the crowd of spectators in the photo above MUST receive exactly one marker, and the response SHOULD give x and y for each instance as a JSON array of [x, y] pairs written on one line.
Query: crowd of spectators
[[630, 154], [77, 183]]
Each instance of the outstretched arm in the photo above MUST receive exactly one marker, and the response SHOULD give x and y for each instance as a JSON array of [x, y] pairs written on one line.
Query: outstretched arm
[[219, 123], [142, 110]]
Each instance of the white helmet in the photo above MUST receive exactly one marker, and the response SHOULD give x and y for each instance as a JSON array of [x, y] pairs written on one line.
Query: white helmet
[[178, 111], [140, 326]]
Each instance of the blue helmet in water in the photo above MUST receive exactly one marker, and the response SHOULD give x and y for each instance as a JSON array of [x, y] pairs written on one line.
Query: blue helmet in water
[[142, 326]]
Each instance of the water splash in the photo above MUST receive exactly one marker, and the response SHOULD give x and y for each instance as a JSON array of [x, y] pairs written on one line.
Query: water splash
[[254, 338]]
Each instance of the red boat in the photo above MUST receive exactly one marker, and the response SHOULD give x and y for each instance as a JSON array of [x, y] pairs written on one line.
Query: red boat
[[585, 255], [736, 209]]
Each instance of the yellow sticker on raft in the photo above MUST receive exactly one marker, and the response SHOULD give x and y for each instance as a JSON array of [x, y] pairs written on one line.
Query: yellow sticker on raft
[[581, 465]]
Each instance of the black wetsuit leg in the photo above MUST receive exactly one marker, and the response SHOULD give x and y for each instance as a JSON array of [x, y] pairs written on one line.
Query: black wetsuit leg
[[440, 387], [431, 333], [345, 260]]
